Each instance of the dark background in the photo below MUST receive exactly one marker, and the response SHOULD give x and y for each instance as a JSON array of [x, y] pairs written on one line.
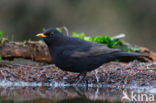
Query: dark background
[[22, 19]]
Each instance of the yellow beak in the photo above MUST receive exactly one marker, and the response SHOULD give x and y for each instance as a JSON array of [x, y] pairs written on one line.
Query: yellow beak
[[41, 35]]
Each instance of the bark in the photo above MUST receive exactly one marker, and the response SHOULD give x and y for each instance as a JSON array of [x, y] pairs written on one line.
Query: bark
[[35, 51]]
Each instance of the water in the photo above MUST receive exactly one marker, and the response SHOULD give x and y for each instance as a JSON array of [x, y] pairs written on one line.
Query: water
[[23, 92]]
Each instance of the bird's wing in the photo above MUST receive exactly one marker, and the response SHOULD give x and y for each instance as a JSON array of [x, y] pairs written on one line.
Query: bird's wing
[[93, 50]]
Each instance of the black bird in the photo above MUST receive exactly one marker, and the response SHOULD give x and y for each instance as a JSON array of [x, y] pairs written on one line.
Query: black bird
[[77, 55]]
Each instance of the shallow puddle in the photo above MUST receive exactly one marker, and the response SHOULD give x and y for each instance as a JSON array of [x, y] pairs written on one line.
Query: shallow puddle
[[23, 92]]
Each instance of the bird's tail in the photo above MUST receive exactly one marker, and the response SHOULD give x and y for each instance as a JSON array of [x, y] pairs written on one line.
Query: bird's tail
[[124, 56], [128, 54]]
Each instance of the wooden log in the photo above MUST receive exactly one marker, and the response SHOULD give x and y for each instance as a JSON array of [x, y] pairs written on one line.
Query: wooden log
[[35, 51]]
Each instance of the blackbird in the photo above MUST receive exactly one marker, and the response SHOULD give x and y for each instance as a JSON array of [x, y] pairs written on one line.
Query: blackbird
[[77, 55]]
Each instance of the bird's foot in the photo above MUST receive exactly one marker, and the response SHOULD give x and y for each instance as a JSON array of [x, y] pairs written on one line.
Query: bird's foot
[[96, 76], [82, 77]]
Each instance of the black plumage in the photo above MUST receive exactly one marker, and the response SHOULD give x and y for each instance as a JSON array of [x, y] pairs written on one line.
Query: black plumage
[[77, 55]]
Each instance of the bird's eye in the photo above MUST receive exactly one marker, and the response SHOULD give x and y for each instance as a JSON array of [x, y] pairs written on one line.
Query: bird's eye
[[51, 34]]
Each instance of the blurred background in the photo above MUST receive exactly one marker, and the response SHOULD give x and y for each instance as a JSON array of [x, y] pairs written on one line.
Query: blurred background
[[22, 19]]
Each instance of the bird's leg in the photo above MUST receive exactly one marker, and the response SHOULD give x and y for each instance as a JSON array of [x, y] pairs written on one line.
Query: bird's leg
[[66, 75], [96, 76], [77, 77], [82, 78]]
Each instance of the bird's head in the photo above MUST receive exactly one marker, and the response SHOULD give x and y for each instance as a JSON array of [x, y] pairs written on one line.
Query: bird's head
[[48, 35]]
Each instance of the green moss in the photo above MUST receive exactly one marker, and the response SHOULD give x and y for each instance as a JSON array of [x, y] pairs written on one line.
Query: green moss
[[59, 29], [108, 41], [80, 35], [2, 38]]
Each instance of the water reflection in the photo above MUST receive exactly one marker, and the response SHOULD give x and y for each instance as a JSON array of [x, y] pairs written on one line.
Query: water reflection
[[63, 95]]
